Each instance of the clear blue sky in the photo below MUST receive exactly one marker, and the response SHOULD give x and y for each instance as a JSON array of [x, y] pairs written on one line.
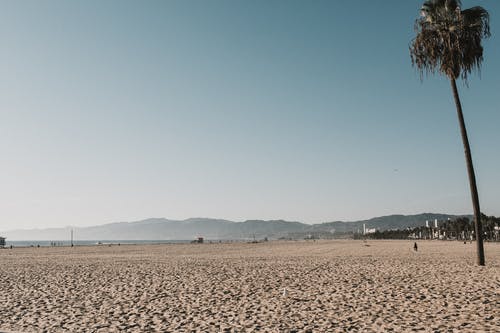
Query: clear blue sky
[[299, 110]]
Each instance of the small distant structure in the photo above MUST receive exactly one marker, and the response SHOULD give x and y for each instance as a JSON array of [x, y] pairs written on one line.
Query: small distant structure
[[2, 241], [198, 240], [367, 231]]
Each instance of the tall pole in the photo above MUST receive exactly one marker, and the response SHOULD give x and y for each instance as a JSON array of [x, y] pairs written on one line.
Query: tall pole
[[71, 237], [472, 177]]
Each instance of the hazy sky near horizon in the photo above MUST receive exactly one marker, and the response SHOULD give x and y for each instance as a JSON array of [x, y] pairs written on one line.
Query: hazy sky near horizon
[[299, 110]]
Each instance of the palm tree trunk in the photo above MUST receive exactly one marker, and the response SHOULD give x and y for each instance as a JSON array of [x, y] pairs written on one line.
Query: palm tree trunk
[[472, 177]]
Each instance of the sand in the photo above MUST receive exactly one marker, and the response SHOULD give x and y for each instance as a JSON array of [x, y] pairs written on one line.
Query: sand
[[289, 286]]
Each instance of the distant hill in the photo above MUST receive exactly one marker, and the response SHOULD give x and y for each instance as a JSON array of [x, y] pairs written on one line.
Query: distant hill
[[164, 229]]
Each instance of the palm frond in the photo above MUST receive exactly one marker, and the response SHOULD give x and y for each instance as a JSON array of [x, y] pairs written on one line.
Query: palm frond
[[439, 10], [477, 17]]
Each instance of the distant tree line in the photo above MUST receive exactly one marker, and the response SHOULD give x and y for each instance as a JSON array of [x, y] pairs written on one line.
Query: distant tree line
[[461, 228]]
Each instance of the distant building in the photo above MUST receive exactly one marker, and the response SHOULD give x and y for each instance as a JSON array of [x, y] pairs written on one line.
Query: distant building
[[198, 240], [2, 241], [367, 231]]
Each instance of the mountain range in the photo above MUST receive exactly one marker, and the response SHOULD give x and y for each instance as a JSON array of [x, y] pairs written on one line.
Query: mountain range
[[164, 229]]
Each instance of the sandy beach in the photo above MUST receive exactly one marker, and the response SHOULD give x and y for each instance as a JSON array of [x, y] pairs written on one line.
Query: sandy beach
[[289, 286]]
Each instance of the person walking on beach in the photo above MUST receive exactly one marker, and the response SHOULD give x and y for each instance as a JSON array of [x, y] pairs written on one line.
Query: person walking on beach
[[415, 247]]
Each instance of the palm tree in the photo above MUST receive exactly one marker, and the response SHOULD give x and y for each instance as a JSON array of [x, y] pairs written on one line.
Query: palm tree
[[448, 41]]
